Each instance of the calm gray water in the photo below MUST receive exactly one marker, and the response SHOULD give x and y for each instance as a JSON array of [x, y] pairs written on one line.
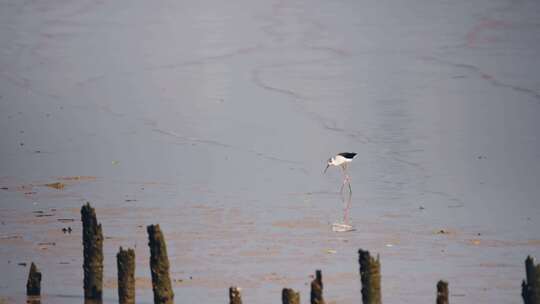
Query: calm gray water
[[215, 120]]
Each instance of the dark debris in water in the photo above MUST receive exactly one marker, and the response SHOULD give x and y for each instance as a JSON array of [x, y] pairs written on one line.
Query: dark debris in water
[[65, 220], [47, 244]]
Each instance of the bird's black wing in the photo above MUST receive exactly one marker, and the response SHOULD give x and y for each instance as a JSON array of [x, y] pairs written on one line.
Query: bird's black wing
[[348, 155]]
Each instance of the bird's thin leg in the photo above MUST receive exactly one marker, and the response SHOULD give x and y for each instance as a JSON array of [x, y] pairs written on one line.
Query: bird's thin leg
[[347, 208], [346, 200], [347, 178], [349, 201]]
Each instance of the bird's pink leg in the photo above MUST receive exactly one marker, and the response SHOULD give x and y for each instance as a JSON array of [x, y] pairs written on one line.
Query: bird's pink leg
[[346, 216], [348, 204], [346, 179]]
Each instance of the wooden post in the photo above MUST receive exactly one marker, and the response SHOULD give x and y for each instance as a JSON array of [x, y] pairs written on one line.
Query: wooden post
[[442, 292], [234, 295], [317, 289], [370, 276], [289, 296], [159, 266], [530, 289], [93, 254], [125, 260], [33, 285]]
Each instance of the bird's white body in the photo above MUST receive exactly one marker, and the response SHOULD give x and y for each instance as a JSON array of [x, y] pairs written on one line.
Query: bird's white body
[[339, 160]]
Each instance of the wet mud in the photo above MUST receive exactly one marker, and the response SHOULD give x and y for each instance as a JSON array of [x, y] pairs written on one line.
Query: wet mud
[[215, 120]]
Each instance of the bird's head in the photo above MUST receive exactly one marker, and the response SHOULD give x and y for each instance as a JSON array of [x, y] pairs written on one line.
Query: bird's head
[[329, 162]]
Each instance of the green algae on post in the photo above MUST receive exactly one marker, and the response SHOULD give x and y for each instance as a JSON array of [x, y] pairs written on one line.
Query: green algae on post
[[289, 296], [317, 289], [234, 295], [125, 260], [530, 289], [442, 292], [93, 254], [159, 266], [33, 285], [370, 276]]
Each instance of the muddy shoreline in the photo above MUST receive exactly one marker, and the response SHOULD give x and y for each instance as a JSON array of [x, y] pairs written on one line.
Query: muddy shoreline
[[214, 120]]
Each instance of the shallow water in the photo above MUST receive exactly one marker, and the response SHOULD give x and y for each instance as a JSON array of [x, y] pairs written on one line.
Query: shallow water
[[215, 121]]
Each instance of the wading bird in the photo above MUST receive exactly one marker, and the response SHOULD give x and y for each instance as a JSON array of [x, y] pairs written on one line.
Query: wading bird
[[342, 160]]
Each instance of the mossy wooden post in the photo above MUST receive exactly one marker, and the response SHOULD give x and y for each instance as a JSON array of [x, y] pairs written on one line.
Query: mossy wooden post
[[234, 295], [125, 260], [370, 276], [442, 292], [289, 296], [530, 289], [159, 266], [317, 289], [93, 254], [33, 285]]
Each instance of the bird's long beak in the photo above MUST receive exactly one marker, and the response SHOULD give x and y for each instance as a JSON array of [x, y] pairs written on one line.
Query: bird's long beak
[[327, 165]]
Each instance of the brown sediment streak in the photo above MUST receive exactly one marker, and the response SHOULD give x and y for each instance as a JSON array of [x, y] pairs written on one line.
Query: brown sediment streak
[[317, 28], [77, 178], [191, 139], [487, 77], [257, 79], [339, 52], [449, 197], [332, 53], [325, 123], [473, 36], [223, 145], [27, 86], [175, 65], [204, 60]]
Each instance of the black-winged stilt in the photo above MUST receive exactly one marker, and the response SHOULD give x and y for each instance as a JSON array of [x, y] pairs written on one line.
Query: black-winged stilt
[[342, 160]]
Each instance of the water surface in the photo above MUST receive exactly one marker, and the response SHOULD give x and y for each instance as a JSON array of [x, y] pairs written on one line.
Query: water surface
[[215, 120]]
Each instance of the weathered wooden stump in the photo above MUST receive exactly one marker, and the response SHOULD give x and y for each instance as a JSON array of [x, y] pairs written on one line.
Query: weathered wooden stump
[[93, 254], [289, 296], [317, 289], [125, 260], [370, 276], [442, 292], [530, 289], [159, 266], [33, 285], [234, 295]]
